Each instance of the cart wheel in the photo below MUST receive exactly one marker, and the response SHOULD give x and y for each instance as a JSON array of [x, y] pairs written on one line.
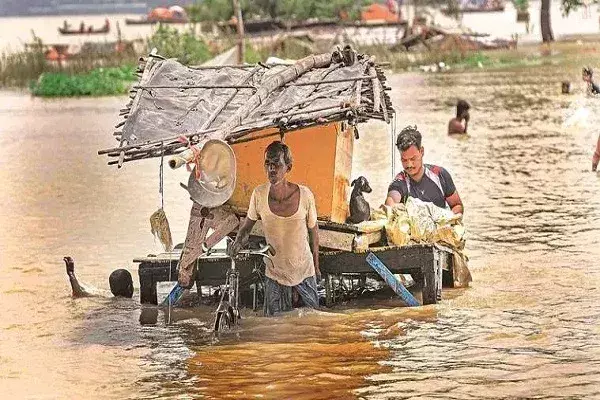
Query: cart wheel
[[234, 316], [222, 321]]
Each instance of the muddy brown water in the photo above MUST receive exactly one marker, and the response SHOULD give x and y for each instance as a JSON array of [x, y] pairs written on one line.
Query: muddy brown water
[[527, 328]]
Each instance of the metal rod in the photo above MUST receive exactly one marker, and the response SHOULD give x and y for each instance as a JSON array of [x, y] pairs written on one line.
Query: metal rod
[[146, 87]]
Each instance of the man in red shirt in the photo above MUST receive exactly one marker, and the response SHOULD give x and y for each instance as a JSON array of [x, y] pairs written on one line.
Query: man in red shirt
[[429, 183]]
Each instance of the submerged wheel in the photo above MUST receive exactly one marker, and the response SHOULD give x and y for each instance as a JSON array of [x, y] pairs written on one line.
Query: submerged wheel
[[226, 318], [223, 321]]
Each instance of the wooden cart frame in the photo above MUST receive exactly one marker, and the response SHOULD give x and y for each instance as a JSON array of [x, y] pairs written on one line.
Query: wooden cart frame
[[344, 252]]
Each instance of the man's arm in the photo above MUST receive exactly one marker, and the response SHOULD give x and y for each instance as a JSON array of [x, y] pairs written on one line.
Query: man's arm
[[596, 156], [313, 235], [455, 203], [78, 291], [393, 197], [242, 237], [450, 192], [313, 232]]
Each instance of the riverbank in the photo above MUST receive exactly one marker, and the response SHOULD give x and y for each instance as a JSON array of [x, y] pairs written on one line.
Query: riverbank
[[114, 74], [567, 53]]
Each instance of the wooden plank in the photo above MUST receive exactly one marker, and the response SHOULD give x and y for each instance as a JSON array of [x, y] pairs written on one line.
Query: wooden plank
[[329, 239], [363, 241], [323, 224], [336, 240], [398, 259]]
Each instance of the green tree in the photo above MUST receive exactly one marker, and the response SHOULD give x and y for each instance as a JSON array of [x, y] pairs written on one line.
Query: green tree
[[210, 10], [571, 5], [185, 47]]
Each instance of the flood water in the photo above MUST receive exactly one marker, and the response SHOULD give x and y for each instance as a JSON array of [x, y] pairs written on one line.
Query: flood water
[[527, 328]]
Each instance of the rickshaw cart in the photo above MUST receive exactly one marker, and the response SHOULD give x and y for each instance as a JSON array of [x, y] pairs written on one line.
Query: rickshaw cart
[[314, 106]]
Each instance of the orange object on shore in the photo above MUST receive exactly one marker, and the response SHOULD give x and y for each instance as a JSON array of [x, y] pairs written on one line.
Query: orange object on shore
[[322, 160], [160, 13], [378, 13], [56, 54]]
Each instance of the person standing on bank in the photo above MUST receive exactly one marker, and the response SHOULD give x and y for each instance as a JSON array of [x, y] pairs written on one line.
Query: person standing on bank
[[289, 220], [427, 182]]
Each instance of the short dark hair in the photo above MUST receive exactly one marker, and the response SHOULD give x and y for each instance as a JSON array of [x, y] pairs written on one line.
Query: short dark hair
[[276, 148], [409, 136], [461, 105], [121, 283], [588, 71]]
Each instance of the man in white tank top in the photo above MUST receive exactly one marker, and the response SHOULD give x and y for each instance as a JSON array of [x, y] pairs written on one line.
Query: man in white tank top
[[289, 221]]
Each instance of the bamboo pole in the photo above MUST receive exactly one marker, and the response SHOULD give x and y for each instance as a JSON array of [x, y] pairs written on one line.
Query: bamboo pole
[[240, 28], [319, 82], [146, 87], [376, 90], [216, 112]]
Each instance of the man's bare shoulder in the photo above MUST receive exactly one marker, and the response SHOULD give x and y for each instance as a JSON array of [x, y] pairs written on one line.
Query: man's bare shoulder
[[261, 189], [306, 190], [455, 126]]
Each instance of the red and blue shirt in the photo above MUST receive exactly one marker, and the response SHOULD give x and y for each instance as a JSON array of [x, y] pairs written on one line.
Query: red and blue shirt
[[435, 185]]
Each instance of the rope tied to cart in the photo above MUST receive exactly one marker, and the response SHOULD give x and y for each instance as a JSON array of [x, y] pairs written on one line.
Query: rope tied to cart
[[195, 157]]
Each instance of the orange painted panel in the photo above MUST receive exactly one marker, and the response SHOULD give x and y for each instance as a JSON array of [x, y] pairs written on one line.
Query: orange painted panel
[[314, 165]]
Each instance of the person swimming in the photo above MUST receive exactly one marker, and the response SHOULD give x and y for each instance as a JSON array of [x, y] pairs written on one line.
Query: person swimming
[[120, 281]]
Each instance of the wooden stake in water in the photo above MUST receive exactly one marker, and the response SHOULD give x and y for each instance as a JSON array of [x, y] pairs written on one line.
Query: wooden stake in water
[[392, 281], [173, 296]]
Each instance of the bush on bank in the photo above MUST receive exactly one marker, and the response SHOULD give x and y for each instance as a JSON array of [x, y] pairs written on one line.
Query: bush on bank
[[98, 82]]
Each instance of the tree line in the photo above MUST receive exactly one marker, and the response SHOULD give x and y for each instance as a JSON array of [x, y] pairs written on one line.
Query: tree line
[[222, 10]]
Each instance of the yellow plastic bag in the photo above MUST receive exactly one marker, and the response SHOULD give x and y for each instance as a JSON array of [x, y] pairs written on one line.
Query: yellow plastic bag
[[397, 231]]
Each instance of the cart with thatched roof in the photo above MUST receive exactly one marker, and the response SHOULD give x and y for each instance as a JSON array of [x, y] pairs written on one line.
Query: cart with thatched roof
[[314, 105]]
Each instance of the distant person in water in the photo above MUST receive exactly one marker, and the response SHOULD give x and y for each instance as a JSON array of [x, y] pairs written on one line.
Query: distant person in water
[[455, 126], [120, 281], [587, 75]]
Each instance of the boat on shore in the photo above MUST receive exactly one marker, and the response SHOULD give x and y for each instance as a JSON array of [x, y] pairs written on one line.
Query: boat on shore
[[171, 15]]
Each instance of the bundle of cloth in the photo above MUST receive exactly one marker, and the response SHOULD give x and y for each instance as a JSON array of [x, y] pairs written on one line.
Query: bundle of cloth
[[417, 221]]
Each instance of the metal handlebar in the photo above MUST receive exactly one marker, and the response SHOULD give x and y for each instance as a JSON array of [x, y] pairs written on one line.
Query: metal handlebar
[[266, 251]]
